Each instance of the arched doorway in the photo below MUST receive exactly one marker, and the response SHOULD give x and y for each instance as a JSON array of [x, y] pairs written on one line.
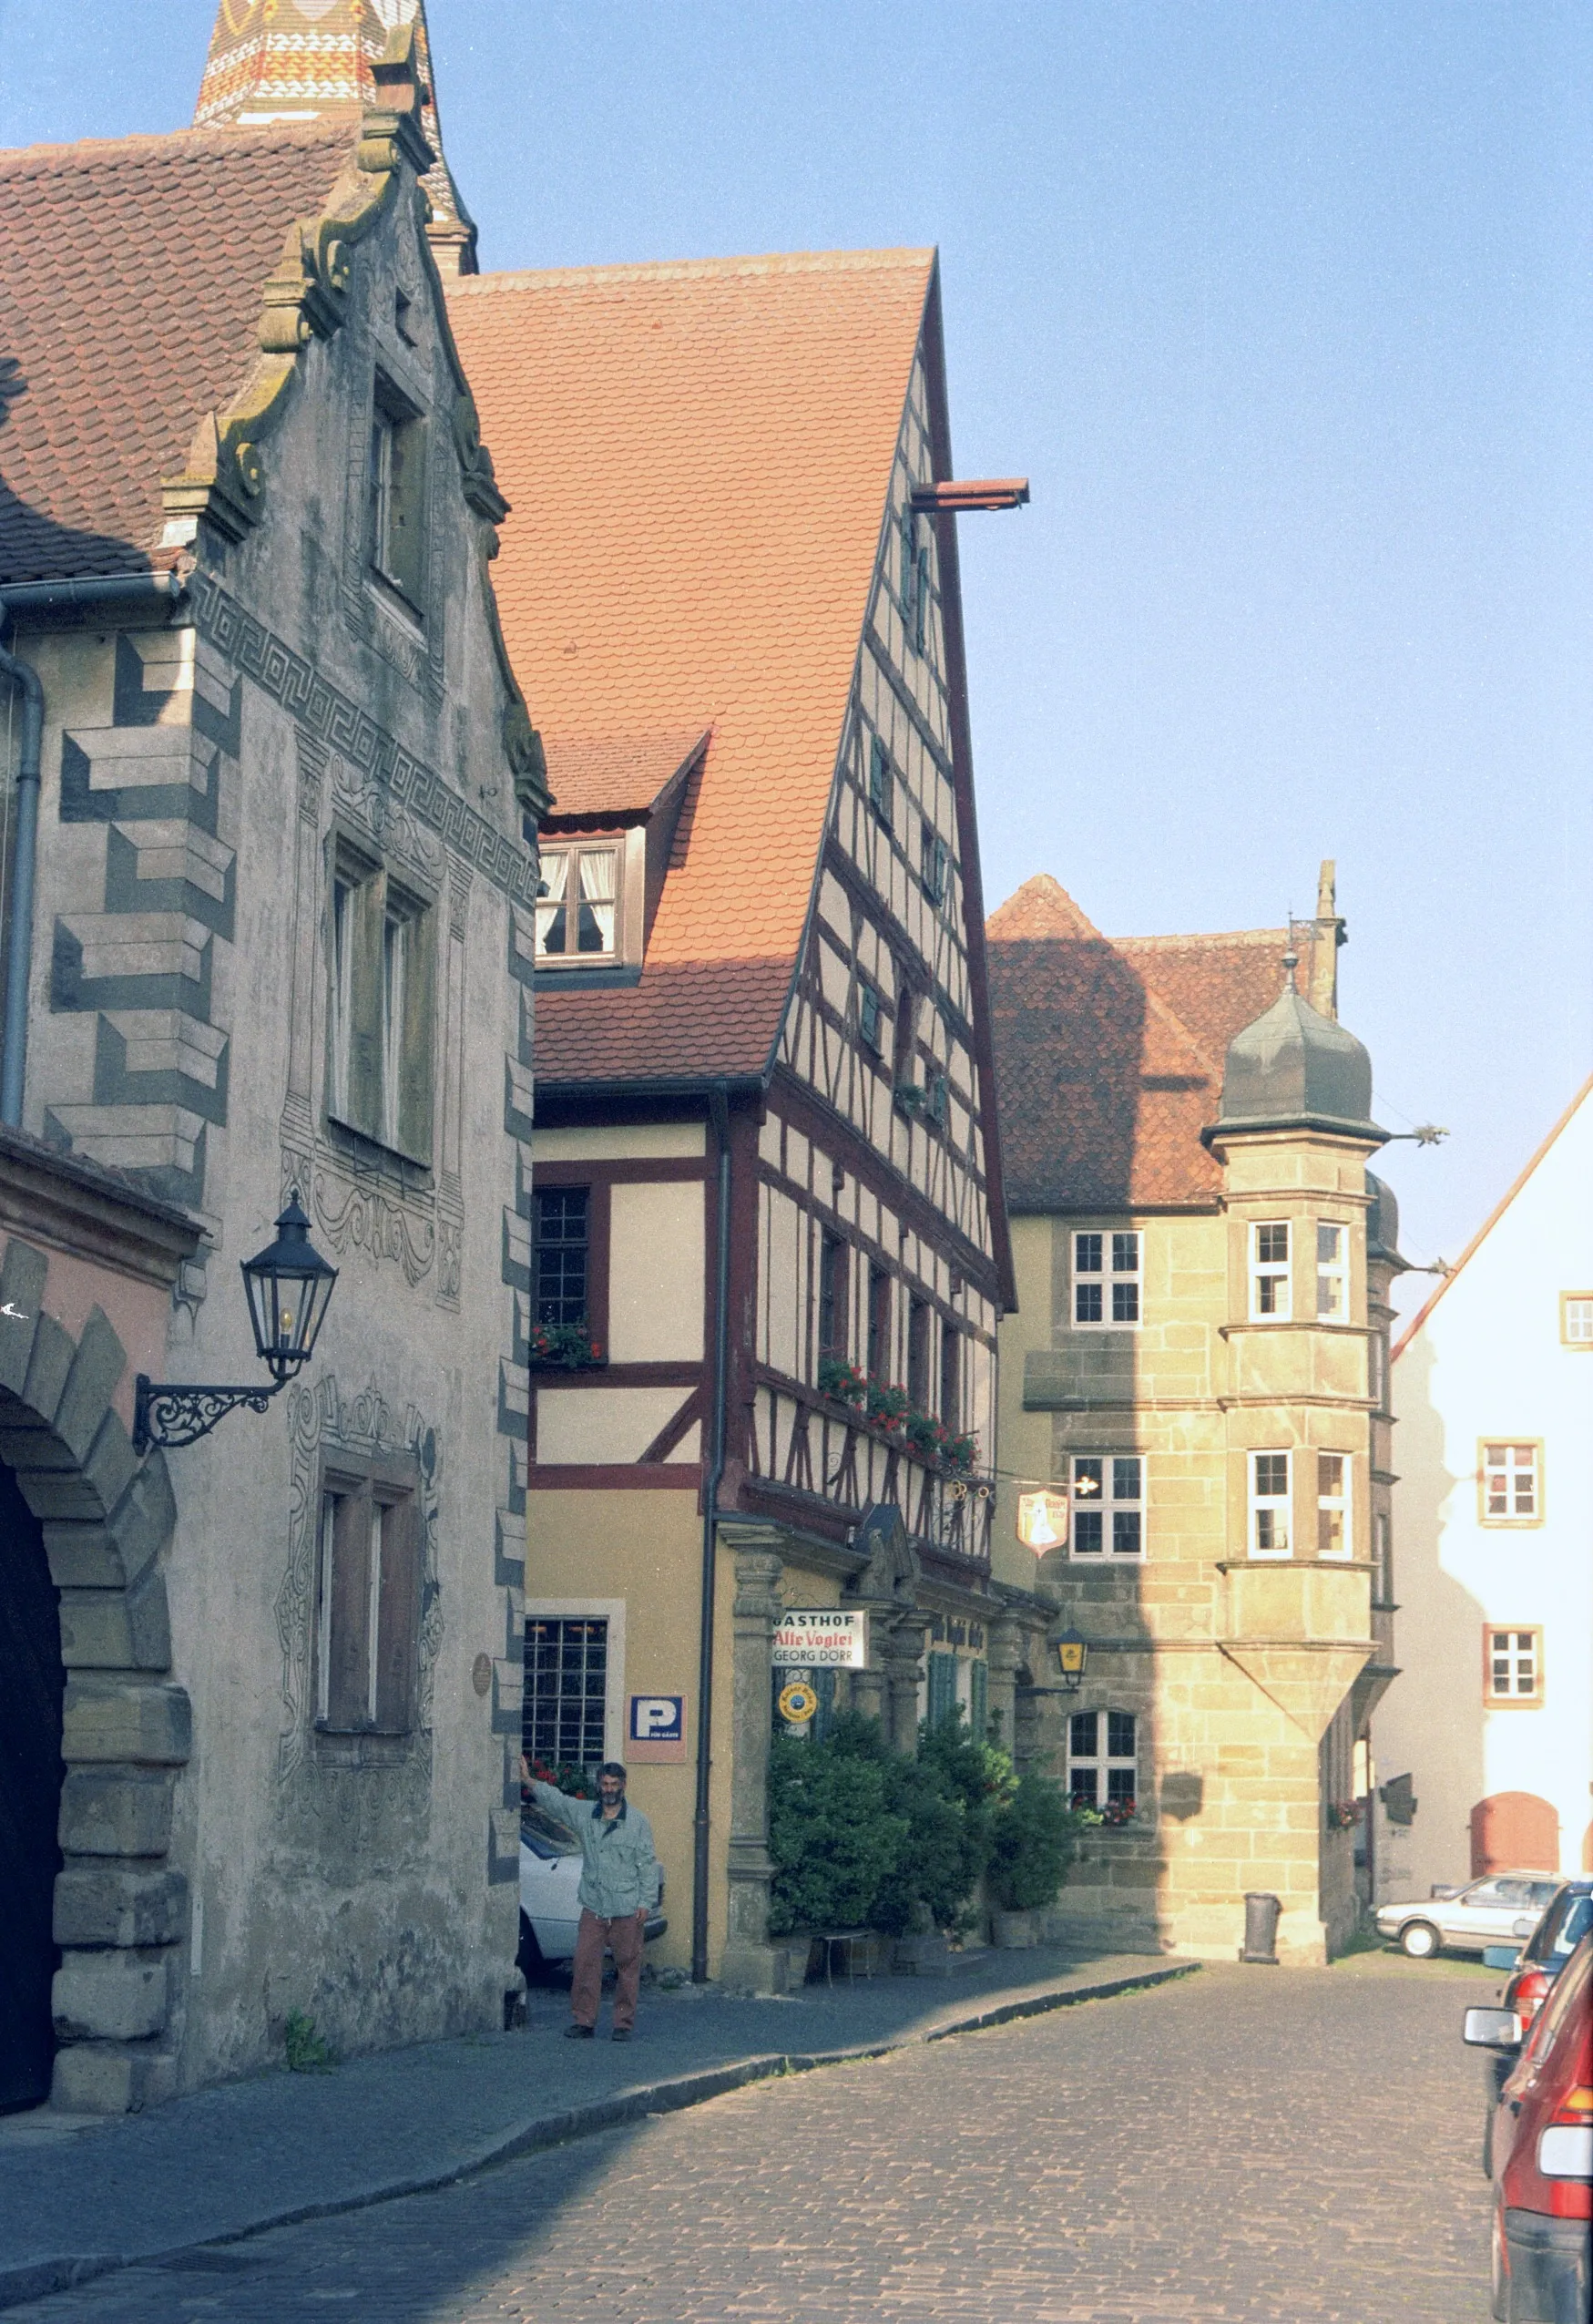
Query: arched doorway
[[1513, 1831], [33, 1684]]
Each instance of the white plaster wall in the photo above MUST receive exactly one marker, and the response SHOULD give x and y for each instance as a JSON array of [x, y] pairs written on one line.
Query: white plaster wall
[[1488, 1362]]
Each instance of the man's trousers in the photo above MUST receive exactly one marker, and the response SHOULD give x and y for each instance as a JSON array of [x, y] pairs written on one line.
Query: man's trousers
[[623, 1938]]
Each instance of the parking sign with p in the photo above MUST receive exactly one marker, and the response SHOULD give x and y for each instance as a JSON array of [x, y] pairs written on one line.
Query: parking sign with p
[[656, 1730]]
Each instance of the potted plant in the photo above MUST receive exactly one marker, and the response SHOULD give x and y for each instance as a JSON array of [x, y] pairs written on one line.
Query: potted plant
[[845, 1382], [569, 1347], [887, 1408]]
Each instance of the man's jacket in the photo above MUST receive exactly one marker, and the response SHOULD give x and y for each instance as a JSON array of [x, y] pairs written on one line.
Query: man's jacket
[[619, 1872]]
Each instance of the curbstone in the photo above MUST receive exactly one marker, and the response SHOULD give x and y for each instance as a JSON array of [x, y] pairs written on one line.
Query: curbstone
[[35, 2278]]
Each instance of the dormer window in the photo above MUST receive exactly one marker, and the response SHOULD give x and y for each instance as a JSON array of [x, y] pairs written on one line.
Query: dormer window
[[577, 914]]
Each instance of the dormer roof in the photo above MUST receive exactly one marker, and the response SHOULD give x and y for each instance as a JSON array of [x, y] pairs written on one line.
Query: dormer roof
[[615, 780]]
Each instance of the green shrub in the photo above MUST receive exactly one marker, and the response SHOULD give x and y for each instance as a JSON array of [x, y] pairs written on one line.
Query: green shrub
[[306, 2051], [862, 1837], [832, 1834], [1034, 1838]]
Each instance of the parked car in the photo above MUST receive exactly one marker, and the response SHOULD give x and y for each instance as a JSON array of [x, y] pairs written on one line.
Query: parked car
[[1464, 1921], [550, 1874], [1566, 1920], [1542, 2147]]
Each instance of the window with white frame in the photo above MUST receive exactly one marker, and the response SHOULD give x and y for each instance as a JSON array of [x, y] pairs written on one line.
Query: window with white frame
[[1108, 1505], [1106, 1280], [1269, 1300], [1332, 1505], [1377, 1369], [1514, 1663], [1576, 1318], [1512, 1486], [1333, 1272], [1382, 1560], [1269, 1505], [1103, 1762], [577, 916]]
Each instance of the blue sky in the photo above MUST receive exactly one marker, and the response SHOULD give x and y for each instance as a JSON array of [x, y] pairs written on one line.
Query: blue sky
[[1285, 310]]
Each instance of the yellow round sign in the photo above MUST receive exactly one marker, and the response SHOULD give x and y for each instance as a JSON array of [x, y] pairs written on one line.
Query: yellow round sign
[[798, 1703]]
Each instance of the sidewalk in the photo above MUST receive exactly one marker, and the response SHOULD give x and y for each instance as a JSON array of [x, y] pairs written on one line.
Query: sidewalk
[[77, 2201]]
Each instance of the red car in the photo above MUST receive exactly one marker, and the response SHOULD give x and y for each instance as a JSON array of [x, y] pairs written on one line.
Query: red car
[[1543, 2152]]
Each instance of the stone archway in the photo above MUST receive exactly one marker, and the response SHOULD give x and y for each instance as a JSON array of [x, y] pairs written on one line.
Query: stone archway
[[105, 1518]]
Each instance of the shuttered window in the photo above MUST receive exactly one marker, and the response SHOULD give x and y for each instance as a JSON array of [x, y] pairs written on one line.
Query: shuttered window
[[943, 1689]]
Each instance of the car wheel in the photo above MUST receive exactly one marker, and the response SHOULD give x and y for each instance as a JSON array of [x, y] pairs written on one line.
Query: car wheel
[[1419, 1939]]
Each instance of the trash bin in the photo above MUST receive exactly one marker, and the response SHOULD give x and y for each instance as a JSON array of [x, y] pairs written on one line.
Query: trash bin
[[1260, 1928]]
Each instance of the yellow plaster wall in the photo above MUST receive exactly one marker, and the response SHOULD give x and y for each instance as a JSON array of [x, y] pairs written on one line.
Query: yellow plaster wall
[[646, 1549]]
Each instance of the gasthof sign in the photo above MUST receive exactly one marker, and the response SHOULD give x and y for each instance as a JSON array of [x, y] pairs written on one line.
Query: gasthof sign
[[820, 1638]]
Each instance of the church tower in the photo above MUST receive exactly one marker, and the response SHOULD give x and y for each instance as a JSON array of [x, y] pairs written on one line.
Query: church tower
[[292, 60]]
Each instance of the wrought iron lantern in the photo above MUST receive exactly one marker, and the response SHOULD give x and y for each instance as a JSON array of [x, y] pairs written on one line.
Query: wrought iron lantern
[[287, 1286], [1072, 1654]]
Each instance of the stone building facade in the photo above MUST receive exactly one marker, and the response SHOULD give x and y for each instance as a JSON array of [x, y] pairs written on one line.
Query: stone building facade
[[1197, 1374], [286, 838]]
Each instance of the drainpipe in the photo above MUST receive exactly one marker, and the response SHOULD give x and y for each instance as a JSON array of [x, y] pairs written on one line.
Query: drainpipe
[[720, 1112], [43, 597]]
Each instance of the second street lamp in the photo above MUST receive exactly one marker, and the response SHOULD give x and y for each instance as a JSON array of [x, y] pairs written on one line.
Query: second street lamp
[[287, 1286]]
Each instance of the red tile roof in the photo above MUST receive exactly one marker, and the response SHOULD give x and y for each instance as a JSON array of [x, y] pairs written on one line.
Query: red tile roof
[[131, 274], [615, 775], [698, 457], [1109, 1053]]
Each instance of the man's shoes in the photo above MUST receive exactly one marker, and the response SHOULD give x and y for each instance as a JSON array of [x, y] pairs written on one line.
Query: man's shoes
[[620, 2034], [578, 2032]]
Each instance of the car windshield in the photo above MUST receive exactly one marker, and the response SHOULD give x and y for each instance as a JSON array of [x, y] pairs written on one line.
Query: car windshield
[[547, 1835]]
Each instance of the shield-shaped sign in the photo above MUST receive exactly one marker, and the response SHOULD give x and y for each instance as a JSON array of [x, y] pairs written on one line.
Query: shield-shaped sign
[[1042, 1521]]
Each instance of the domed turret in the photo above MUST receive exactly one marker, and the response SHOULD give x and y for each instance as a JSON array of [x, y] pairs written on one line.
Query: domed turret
[[1382, 1225], [1294, 1068]]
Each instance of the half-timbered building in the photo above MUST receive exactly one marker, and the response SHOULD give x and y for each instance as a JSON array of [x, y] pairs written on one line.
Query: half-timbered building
[[769, 1251]]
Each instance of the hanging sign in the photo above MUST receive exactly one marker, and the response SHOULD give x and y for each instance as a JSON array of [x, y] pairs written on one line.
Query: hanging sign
[[1042, 1521], [820, 1638], [798, 1703]]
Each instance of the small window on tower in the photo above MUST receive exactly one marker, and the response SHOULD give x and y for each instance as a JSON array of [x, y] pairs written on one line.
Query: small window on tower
[[1269, 1505], [1511, 1491], [1269, 1277], [1332, 1289]]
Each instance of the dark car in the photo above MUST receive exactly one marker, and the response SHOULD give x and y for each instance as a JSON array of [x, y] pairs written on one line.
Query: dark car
[[1566, 1919], [1542, 2147]]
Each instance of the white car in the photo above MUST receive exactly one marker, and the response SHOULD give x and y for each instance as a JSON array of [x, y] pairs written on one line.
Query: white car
[[1485, 1912], [550, 1874]]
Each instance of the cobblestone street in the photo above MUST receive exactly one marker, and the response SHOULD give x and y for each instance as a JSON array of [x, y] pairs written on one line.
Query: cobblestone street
[[1242, 2145]]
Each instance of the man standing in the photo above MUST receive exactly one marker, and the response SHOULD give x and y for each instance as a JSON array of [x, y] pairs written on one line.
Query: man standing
[[620, 1886]]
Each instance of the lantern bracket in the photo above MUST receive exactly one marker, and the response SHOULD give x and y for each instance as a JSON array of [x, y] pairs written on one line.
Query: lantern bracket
[[166, 1415]]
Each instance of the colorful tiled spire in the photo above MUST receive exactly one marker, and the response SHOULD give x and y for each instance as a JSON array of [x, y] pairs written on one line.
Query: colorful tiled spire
[[291, 60]]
